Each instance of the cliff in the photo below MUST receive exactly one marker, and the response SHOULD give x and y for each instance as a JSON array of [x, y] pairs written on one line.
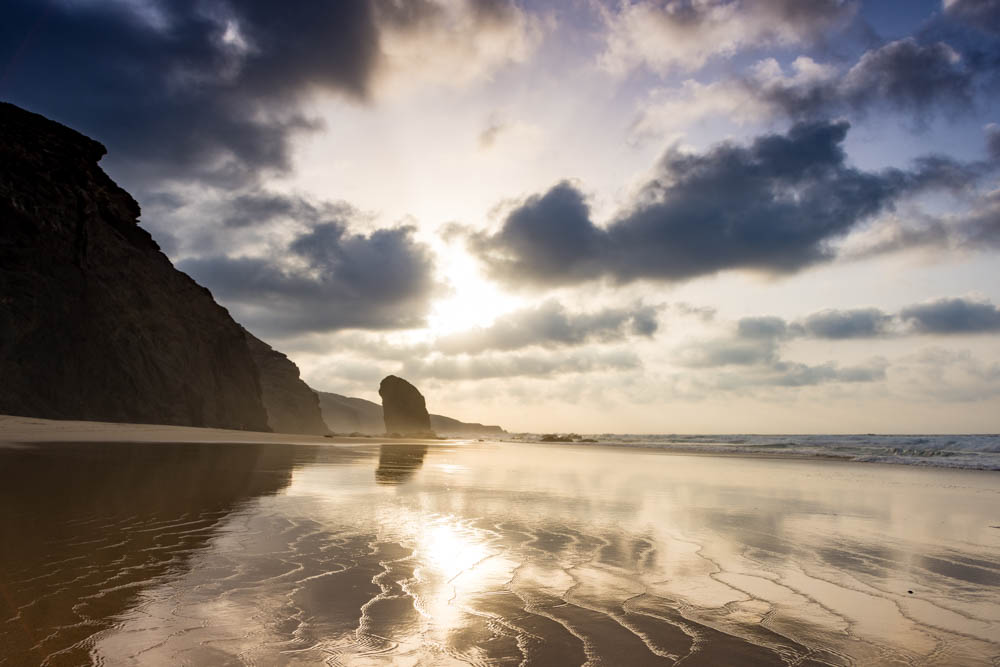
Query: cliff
[[95, 322], [292, 407], [345, 414]]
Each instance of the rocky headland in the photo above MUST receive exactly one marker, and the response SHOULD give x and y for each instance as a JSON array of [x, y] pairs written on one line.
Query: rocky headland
[[95, 322]]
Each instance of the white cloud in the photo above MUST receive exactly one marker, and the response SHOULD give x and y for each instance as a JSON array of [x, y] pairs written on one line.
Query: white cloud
[[455, 43], [686, 34]]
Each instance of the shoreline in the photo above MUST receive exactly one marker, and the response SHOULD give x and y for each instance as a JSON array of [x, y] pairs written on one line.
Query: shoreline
[[758, 455], [16, 430]]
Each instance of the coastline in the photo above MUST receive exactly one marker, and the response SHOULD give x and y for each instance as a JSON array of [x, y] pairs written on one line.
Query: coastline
[[16, 429]]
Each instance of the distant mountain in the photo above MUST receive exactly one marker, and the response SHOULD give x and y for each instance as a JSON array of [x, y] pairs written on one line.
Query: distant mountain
[[345, 414], [95, 322], [447, 426]]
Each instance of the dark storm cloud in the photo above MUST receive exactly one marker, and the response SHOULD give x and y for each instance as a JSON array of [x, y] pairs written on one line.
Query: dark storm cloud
[[200, 90], [773, 206], [551, 325], [185, 89], [260, 207], [953, 316], [904, 75], [981, 14], [335, 280], [846, 324]]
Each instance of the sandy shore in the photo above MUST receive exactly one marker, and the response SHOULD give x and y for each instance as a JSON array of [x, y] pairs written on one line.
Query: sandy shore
[[29, 429], [197, 550]]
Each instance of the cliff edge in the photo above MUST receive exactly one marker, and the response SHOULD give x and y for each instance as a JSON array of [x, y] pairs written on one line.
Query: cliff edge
[[95, 322]]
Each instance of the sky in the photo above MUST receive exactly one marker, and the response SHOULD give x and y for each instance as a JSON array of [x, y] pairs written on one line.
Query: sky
[[600, 216]]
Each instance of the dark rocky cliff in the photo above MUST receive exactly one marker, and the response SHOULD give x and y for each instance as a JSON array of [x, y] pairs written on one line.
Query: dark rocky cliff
[[292, 407], [95, 322]]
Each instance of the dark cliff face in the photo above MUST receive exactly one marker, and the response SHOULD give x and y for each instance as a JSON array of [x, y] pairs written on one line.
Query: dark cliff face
[[292, 407], [403, 407], [95, 322]]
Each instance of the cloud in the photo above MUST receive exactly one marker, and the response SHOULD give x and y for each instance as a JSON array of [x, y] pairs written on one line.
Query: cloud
[[260, 207], [936, 374], [906, 76], [452, 42], [549, 325], [993, 140], [680, 34], [755, 348], [903, 75], [751, 355], [761, 328], [728, 352], [793, 374], [325, 279], [976, 228], [982, 14], [192, 91], [846, 324], [670, 111], [775, 206], [953, 316], [756, 339], [211, 92], [505, 365]]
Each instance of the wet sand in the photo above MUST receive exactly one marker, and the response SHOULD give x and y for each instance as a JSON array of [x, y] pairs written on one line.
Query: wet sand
[[208, 553]]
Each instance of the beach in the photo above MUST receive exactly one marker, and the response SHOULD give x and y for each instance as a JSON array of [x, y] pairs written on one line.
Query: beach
[[135, 545]]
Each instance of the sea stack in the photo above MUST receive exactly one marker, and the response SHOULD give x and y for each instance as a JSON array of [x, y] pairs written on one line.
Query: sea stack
[[403, 408]]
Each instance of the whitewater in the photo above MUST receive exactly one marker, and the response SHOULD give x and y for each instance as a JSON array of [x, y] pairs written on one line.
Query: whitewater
[[977, 452]]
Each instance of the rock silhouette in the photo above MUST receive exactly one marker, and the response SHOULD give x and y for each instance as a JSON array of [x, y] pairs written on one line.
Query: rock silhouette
[[95, 322], [292, 407], [403, 407]]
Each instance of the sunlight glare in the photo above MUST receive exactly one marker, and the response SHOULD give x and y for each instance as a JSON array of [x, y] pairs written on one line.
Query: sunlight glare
[[473, 301]]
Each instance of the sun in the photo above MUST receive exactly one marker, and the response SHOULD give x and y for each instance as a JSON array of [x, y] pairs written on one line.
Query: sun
[[473, 300]]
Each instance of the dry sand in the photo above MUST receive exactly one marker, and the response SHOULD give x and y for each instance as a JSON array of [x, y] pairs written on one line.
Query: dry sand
[[201, 551]]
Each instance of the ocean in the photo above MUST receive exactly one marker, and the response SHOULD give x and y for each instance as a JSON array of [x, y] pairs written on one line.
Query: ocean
[[975, 452]]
